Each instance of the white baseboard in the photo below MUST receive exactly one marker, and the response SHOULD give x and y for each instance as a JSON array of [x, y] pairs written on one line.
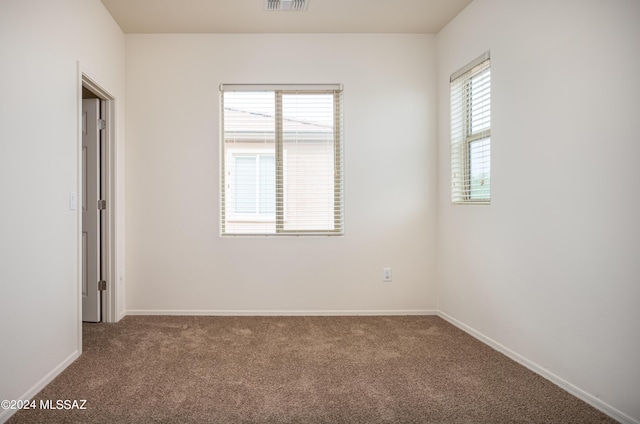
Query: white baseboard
[[224, 312], [122, 315], [5, 414], [558, 381]]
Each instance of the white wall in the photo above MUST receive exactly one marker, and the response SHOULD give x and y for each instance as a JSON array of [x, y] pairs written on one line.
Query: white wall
[[41, 43], [551, 269], [176, 261]]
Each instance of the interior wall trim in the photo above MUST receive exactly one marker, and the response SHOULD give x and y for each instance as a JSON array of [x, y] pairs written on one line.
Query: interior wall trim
[[542, 371], [5, 414], [284, 312]]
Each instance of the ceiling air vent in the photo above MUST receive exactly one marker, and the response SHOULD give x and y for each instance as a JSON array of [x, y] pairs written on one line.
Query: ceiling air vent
[[291, 5]]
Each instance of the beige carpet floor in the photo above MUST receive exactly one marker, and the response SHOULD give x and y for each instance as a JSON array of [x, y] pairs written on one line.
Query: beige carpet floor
[[150, 369]]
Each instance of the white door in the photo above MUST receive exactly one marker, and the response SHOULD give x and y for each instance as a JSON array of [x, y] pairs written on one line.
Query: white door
[[91, 230]]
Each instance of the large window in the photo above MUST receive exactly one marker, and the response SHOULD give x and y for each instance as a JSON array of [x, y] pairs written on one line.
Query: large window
[[471, 133], [281, 160]]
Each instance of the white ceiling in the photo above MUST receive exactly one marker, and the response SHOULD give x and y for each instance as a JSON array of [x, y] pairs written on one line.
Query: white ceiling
[[249, 16]]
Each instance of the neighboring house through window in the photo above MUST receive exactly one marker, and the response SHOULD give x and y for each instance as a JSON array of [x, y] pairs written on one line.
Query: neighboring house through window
[[471, 133], [281, 160]]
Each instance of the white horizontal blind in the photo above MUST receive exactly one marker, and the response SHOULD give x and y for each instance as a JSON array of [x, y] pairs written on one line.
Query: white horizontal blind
[[471, 133], [281, 160]]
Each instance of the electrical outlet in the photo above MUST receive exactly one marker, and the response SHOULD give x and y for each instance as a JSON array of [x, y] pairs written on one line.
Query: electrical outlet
[[386, 274]]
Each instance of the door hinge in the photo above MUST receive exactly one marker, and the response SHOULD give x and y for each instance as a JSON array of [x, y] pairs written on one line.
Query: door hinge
[[102, 285], [102, 124], [102, 205]]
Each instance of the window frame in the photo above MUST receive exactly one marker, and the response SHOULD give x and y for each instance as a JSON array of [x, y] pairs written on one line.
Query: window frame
[[461, 123], [280, 157]]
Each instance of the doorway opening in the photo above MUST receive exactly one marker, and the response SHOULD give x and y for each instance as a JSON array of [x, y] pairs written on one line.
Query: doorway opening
[[93, 205], [97, 247]]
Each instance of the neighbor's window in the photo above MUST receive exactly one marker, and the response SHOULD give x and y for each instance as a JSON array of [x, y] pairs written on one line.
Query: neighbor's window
[[252, 189], [471, 133], [281, 160]]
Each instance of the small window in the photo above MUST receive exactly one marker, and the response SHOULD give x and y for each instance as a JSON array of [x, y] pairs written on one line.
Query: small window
[[281, 160], [471, 133]]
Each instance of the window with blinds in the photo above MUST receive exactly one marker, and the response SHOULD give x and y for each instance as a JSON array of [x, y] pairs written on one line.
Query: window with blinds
[[471, 133], [281, 160]]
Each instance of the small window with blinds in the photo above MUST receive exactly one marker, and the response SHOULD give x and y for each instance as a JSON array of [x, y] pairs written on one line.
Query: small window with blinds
[[471, 133], [281, 160]]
